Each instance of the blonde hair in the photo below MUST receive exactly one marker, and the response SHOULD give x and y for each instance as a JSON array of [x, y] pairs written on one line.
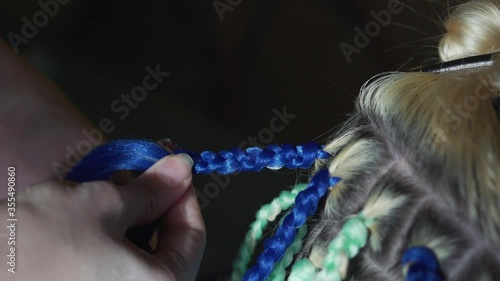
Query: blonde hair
[[472, 29], [434, 141]]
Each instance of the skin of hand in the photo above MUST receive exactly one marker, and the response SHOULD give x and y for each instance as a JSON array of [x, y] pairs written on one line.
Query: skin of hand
[[76, 232], [36, 118]]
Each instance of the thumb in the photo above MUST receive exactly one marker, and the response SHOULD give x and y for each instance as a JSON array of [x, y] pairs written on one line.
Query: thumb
[[155, 191]]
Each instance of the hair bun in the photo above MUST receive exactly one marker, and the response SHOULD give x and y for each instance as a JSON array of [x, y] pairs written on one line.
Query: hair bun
[[472, 29]]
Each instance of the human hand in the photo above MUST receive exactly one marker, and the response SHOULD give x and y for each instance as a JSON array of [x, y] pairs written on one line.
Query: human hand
[[77, 233]]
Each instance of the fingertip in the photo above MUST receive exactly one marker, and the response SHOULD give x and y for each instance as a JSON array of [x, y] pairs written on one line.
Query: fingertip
[[174, 170]]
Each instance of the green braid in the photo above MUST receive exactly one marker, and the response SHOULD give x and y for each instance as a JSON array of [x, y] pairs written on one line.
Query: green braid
[[279, 271], [267, 213], [350, 240], [302, 270]]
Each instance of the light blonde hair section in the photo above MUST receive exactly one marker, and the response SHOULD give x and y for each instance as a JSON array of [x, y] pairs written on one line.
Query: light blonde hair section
[[472, 29]]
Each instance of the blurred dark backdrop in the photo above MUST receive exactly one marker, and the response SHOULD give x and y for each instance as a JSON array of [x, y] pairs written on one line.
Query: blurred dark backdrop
[[230, 70]]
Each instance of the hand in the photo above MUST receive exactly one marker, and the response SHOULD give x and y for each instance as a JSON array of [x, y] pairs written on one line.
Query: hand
[[33, 108], [77, 233]]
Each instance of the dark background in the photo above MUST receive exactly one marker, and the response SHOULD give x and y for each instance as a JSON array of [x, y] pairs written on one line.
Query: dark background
[[226, 76]]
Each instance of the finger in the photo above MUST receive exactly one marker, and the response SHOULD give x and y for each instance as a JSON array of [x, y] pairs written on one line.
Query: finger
[[182, 237], [150, 195]]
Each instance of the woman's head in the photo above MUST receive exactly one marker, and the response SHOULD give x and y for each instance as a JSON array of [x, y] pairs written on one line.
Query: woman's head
[[426, 147]]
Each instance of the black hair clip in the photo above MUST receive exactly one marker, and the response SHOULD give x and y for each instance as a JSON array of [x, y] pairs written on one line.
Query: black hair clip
[[460, 64]]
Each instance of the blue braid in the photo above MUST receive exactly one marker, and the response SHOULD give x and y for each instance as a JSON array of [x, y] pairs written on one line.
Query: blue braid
[[423, 264], [255, 159], [306, 204], [139, 155]]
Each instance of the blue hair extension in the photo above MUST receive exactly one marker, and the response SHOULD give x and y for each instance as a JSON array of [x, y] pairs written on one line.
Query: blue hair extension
[[423, 264], [102, 162], [139, 155], [255, 159], [306, 204]]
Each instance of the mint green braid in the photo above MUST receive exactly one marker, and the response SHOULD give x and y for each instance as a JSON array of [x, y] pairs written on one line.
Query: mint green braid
[[346, 245], [266, 214], [279, 271], [349, 241], [302, 270]]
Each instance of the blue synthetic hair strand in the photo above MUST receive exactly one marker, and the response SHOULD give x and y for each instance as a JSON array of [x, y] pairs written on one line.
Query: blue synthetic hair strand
[[423, 264], [139, 155], [306, 204], [102, 162], [266, 214], [255, 159]]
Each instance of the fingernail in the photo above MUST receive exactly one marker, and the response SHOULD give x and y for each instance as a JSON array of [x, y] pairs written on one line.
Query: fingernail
[[187, 159], [169, 167]]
